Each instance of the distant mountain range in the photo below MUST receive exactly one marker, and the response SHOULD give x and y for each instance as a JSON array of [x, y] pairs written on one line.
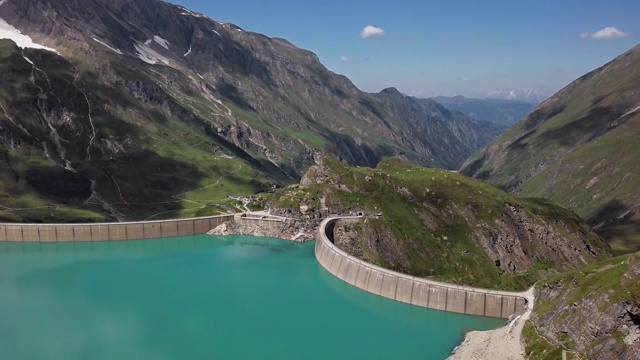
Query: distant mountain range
[[499, 111], [135, 109]]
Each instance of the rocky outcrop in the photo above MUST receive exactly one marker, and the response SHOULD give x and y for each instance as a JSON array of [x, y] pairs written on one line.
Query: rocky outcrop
[[299, 231], [594, 311], [371, 245], [518, 240]]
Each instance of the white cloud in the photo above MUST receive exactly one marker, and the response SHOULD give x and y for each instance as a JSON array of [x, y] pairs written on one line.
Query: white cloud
[[344, 58], [607, 33], [371, 31], [465, 79]]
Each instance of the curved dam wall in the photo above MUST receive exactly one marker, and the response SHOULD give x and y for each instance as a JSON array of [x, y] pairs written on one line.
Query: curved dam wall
[[410, 289], [109, 231]]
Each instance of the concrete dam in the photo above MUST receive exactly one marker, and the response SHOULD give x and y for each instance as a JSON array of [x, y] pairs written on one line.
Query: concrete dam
[[109, 231], [410, 289], [133, 230]]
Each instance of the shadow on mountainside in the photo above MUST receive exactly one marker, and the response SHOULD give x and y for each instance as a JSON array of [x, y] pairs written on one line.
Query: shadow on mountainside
[[231, 93], [619, 225], [539, 116], [354, 153], [144, 183], [587, 128]]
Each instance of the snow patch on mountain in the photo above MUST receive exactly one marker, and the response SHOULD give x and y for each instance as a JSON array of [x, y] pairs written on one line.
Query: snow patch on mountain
[[7, 31], [185, 11], [162, 42], [187, 53], [2, 2], [108, 46], [148, 55], [630, 112]]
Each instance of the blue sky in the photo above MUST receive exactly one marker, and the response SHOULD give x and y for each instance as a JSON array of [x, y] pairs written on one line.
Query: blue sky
[[445, 47]]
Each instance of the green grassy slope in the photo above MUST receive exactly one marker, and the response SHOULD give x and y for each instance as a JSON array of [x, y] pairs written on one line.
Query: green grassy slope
[[146, 161], [446, 226], [579, 149]]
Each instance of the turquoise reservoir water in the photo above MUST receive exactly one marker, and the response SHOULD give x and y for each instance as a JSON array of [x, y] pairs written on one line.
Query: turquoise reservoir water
[[202, 297]]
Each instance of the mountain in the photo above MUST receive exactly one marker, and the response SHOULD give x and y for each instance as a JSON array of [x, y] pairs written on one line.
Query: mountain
[[579, 148], [500, 111], [439, 224], [457, 133], [136, 109], [531, 95]]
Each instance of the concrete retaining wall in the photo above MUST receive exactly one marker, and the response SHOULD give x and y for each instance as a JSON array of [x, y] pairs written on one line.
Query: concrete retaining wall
[[410, 289], [265, 222], [109, 231]]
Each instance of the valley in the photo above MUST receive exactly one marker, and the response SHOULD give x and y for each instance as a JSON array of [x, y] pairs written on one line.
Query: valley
[[155, 111], [123, 110]]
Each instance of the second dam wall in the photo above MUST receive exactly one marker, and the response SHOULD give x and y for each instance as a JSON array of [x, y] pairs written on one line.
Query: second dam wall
[[410, 289], [109, 231]]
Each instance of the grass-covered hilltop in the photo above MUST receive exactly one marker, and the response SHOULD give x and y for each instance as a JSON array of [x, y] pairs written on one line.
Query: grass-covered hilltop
[[439, 224]]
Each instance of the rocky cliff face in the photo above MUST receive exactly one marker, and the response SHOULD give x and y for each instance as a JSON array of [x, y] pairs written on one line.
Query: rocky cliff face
[[594, 311], [516, 241], [152, 108]]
